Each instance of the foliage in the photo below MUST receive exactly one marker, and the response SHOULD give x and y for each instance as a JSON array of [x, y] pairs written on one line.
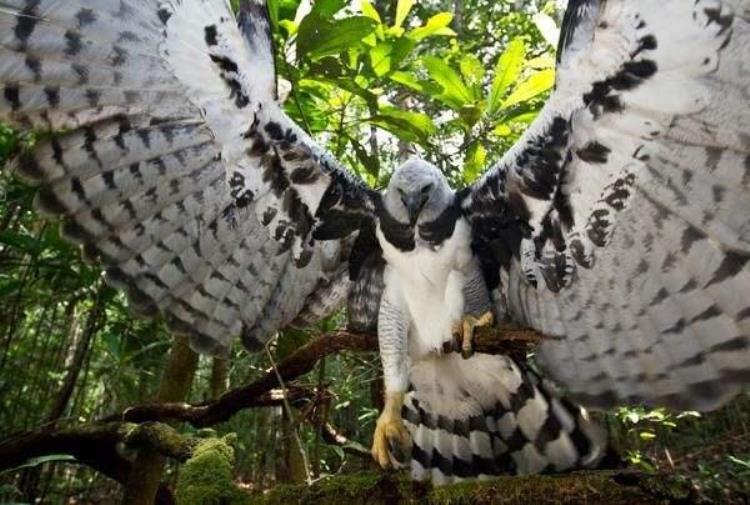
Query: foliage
[[357, 73], [644, 426]]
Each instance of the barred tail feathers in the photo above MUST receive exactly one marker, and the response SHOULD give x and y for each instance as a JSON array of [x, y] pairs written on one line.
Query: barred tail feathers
[[488, 416]]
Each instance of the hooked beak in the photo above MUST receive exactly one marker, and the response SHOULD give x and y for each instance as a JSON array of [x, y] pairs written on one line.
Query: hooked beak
[[414, 205]]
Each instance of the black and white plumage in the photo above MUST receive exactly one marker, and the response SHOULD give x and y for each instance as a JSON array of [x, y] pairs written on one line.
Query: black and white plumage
[[618, 225], [487, 415]]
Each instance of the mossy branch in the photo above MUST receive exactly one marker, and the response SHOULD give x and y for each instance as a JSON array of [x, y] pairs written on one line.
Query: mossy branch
[[593, 487], [95, 445]]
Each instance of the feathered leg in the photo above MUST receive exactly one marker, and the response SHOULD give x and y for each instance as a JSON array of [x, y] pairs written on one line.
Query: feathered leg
[[391, 442]]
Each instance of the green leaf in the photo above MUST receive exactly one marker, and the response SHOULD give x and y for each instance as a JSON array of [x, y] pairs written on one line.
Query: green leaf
[[411, 81], [328, 67], [407, 125], [408, 80], [502, 130], [470, 115], [273, 11], [541, 62], [289, 341], [455, 92], [318, 37], [388, 55], [339, 452], [523, 117], [535, 85], [288, 25], [327, 8], [370, 11], [8, 141], [403, 7], [506, 73], [738, 461], [112, 342], [402, 48], [436, 25], [471, 69], [9, 286], [476, 159], [25, 243], [50, 458], [380, 58], [320, 86], [371, 163]]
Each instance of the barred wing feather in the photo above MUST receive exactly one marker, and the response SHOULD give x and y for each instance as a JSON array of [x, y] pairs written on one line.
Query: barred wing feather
[[171, 162], [630, 196]]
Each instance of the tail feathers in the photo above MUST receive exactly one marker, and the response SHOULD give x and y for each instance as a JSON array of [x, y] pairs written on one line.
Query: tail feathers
[[487, 416]]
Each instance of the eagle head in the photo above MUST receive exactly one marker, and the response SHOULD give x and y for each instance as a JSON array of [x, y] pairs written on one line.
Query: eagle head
[[417, 192]]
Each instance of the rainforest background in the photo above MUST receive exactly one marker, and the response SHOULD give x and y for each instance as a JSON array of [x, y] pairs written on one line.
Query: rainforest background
[[456, 81]]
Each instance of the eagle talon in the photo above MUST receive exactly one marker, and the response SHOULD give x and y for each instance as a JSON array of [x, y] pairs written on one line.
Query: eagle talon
[[391, 441], [464, 332]]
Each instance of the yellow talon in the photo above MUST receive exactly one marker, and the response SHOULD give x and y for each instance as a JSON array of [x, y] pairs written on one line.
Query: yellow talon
[[464, 331], [391, 442]]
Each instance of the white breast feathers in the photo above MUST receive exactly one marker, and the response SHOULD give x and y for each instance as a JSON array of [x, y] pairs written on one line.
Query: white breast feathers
[[429, 281]]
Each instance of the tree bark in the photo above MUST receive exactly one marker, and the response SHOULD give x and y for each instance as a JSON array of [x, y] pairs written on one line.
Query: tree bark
[[292, 468], [145, 476], [219, 373]]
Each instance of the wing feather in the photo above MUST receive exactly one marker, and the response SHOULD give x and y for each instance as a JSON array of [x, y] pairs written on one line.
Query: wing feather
[[170, 161], [632, 190]]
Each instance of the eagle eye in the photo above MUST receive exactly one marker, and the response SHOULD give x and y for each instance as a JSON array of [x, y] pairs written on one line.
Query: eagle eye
[[427, 189]]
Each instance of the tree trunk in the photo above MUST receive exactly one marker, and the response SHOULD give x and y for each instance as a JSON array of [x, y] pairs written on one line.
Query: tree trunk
[[74, 361], [219, 372], [73, 365], [293, 467], [458, 17], [145, 477], [321, 419]]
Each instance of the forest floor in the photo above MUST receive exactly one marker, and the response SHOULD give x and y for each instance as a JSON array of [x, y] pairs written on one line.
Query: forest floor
[[711, 474]]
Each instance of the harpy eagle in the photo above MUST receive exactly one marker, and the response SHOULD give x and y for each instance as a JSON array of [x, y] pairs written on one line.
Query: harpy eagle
[[619, 224]]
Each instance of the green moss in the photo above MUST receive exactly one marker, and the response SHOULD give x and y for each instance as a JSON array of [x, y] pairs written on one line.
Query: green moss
[[206, 478], [610, 488], [360, 488], [675, 488]]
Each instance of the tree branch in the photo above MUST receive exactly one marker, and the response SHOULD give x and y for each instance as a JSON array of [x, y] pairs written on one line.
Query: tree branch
[[260, 393], [95, 444]]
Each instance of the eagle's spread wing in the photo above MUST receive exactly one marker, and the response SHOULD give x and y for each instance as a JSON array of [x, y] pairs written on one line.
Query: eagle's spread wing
[[172, 163], [624, 212]]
